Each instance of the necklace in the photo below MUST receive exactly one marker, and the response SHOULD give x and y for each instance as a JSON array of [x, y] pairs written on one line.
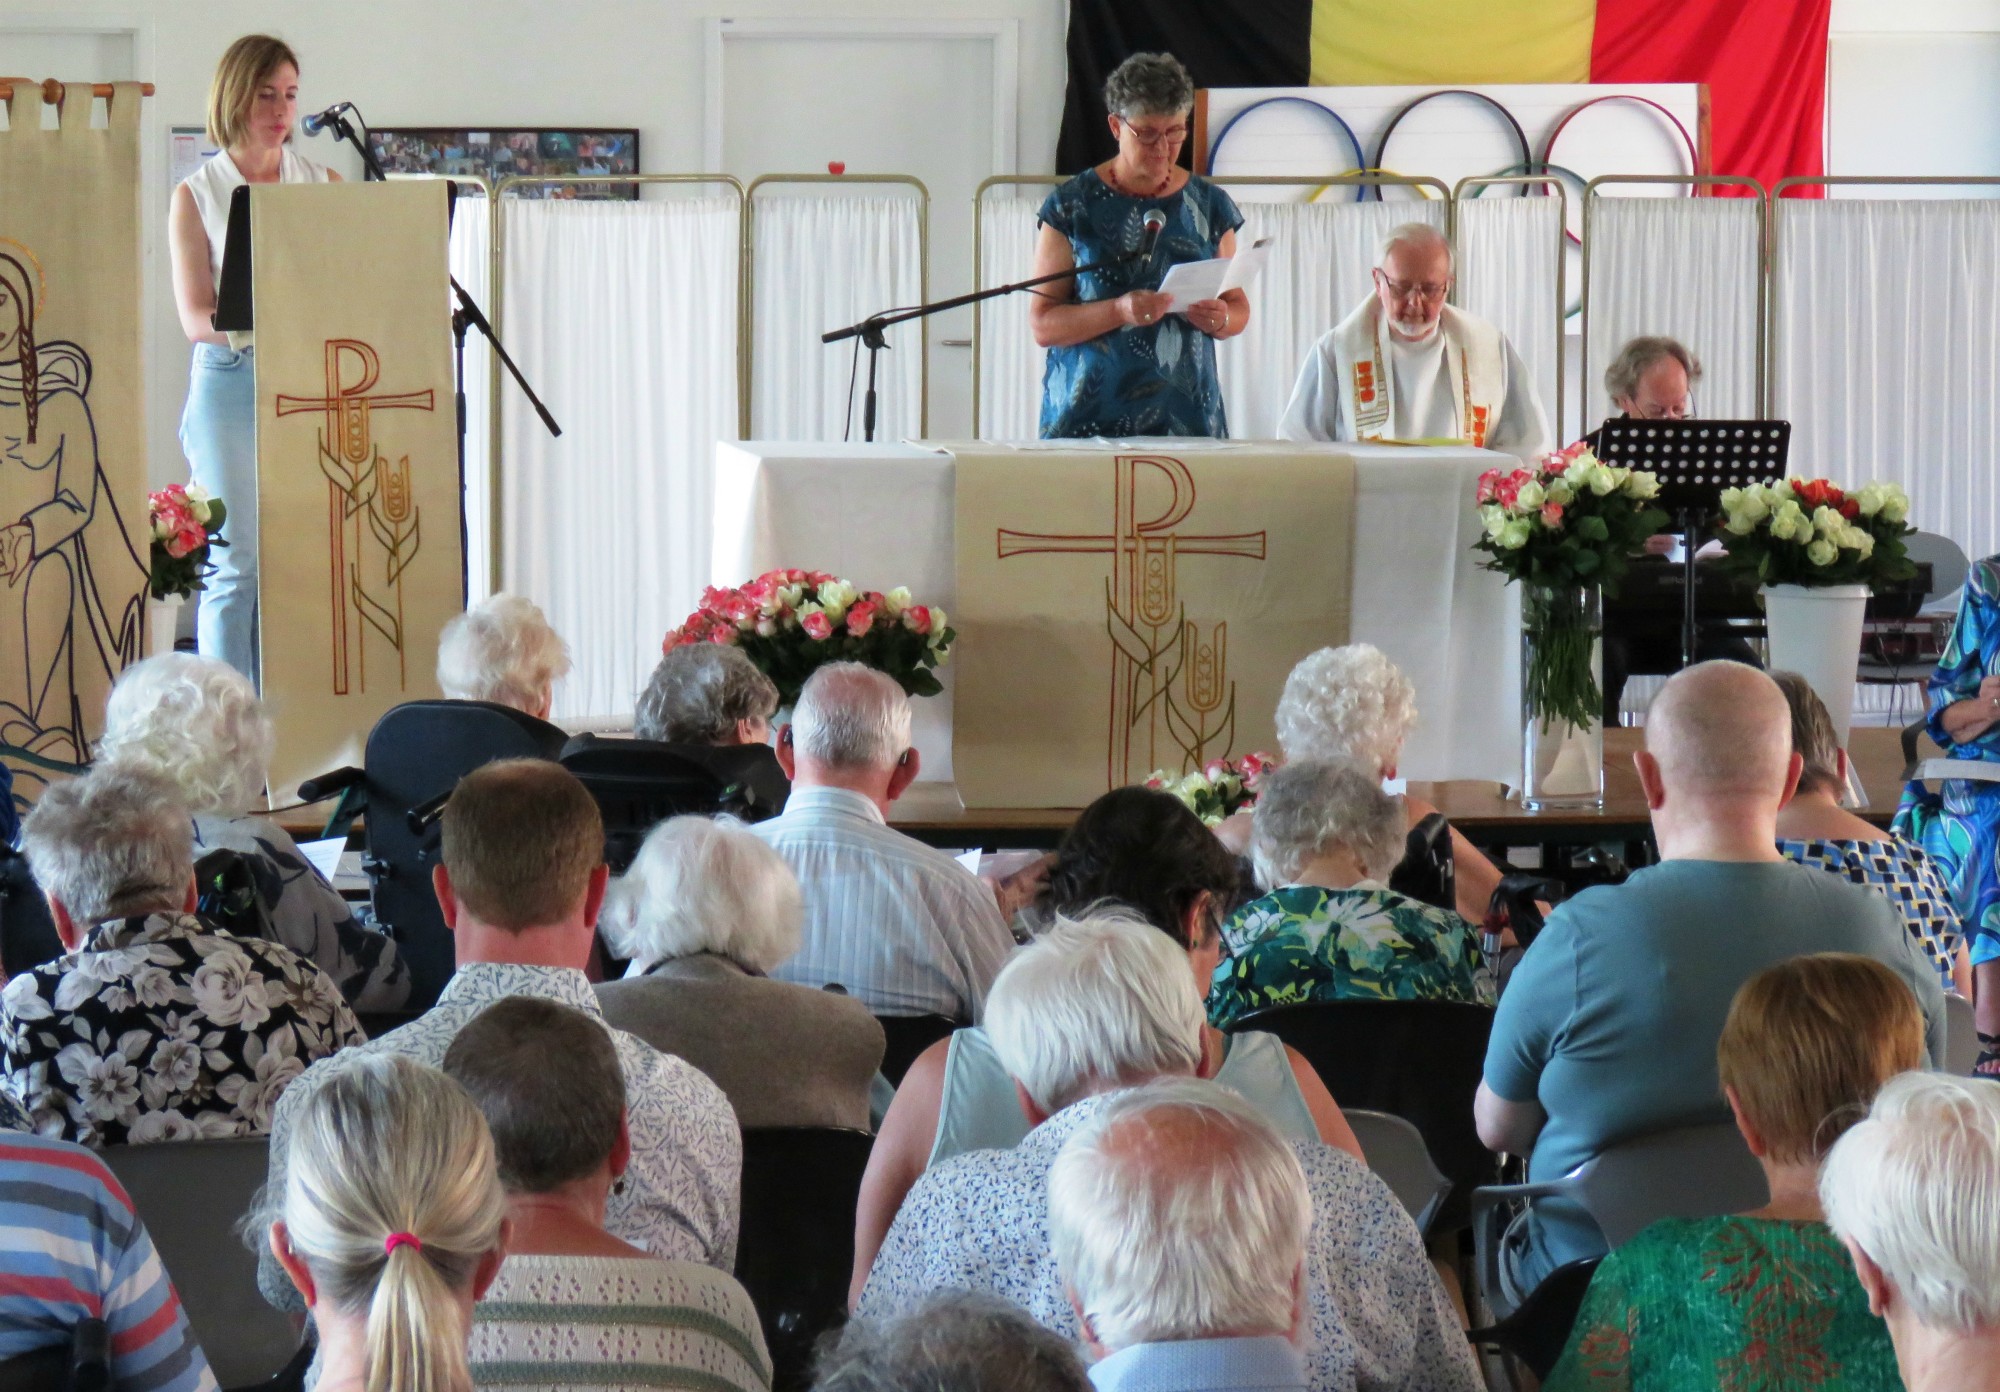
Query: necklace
[[1118, 185]]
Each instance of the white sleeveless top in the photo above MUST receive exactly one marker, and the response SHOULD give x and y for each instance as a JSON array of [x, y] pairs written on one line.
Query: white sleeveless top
[[211, 185]]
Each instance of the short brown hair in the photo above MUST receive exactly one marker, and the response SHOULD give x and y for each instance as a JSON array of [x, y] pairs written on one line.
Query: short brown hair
[[243, 69], [1809, 1042], [1814, 739], [521, 838], [547, 1078]]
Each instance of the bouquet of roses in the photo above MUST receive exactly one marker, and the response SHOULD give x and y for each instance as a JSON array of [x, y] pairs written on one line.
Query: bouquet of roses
[[1219, 789], [791, 622], [1568, 521], [1788, 532], [185, 523]]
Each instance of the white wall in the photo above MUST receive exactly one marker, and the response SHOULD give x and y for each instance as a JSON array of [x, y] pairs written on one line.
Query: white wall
[[635, 63], [1913, 89]]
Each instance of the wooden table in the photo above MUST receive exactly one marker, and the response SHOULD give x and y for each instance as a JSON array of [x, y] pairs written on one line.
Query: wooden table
[[932, 813]]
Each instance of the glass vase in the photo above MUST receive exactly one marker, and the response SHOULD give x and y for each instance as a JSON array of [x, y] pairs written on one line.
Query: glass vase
[[1562, 698]]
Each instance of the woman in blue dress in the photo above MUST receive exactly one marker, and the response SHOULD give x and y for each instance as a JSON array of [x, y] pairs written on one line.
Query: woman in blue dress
[[1118, 364], [1959, 825]]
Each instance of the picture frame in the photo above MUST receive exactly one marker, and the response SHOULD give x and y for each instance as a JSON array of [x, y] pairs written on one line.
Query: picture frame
[[497, 152]]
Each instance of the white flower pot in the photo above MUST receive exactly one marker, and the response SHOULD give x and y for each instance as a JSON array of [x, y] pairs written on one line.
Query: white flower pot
[[163, 621], [1816, 632]]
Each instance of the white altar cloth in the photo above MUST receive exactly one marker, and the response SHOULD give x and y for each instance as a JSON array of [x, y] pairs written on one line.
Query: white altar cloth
[[881, 515]]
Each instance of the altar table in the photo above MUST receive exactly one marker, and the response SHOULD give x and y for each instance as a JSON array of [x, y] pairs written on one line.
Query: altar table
[[881, 515]]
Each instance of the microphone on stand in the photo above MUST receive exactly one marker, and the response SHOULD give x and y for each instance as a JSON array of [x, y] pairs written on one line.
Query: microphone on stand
[[1153, 222], [320, 120]]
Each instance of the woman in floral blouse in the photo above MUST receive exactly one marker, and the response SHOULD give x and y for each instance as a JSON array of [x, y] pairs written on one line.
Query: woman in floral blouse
[[1324, 836], [1766, 1299]]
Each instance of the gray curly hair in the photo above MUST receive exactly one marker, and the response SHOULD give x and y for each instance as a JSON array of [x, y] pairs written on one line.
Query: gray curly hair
[[1148, 84]]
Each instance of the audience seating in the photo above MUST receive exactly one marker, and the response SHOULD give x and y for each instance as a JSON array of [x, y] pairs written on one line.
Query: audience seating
[[190, 1194], [414, 757], [795, 1253], [27, 932], [1537, 1332], [1419, 1060], [1961, 1041], [638, 784], [1395, 1151], [1686, 1172], [80, 1364], [908, 1036]]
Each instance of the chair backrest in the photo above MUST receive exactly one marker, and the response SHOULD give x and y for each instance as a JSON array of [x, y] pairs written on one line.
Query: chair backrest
[[27, 932], [638, 784], [1419, 1060], [795, 1254], [1699, 1171], [80, 1363], [1396, 1152], [1537, 1331], [908, 1036], [416, 753], [191, 1195], [1961, 1037]]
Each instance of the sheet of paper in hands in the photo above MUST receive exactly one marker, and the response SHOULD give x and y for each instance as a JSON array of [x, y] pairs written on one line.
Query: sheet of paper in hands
[[1194, 281]]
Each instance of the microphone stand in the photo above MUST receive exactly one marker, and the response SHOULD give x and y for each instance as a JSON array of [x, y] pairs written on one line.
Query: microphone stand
[[467, 315], [869, 330]]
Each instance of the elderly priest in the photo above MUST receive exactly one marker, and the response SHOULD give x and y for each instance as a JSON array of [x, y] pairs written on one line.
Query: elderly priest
[[1407, 366]]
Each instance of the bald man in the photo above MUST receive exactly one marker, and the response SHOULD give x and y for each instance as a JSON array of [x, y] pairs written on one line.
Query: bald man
[[1608, 1027]]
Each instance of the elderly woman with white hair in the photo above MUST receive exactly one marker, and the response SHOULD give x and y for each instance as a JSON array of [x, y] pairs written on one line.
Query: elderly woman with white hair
[[502, 650], [704, 913], [1353, 705], [1325, 837], [196, 723], [1914, 1193]]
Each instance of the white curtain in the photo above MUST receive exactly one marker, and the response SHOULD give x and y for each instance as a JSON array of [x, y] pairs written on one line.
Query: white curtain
[[823, 263], [1684, 267], [1508, 250], [471, 266], [624, 317], [1321, 256], [1886, 351], [1010, 365]]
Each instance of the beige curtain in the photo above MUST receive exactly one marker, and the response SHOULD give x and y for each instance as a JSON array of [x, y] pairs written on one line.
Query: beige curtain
[[72, 443], [357, 472]]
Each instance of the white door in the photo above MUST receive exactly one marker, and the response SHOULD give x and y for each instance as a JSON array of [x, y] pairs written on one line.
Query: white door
[[881, 99]]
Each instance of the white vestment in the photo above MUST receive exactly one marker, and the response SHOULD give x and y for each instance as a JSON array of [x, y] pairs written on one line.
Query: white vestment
[[1464, 382]]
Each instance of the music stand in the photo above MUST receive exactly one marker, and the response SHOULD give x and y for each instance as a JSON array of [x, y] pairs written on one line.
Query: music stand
[[232, 294], [1694, 461]]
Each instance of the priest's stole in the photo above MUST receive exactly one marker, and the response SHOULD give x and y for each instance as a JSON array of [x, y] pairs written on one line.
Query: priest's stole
[[357, 468], [72, 426], [1126, 612]]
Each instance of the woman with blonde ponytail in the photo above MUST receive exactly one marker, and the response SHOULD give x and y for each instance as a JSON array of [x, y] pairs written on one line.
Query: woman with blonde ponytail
[[391, 1225]]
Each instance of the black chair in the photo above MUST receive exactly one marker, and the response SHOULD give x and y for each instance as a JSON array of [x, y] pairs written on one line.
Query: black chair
[[80, 1364], [414, 757], [638, 784], [908, 1036], [1539, 1330], [27, 932], [1419, 1060], [795, 1254], [191, 1195]]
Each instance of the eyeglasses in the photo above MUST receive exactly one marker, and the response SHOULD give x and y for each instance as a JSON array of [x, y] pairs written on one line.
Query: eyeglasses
[[1403, 289], [1152, 140], [1679, 410]]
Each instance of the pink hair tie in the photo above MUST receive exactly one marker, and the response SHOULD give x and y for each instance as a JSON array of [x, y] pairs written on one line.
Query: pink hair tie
[[400, 1239]]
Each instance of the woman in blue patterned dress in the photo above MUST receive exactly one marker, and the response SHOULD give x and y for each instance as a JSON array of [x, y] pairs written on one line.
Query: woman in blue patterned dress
[[1959, 825], [1118, 364]]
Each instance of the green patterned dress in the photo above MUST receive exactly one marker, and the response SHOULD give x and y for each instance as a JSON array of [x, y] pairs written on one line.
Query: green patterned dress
[[1735, 1304], [1305, 943]]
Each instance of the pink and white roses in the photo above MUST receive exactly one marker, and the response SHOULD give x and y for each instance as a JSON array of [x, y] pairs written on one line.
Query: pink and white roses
[[185, 522], [1219, 789]]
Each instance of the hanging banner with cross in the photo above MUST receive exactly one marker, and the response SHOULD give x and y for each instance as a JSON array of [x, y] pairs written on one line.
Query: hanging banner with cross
[[1121, 612], [357, 459]]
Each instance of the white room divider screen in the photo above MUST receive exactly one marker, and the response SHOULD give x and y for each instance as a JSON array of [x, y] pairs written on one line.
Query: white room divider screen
[[1685, 267], [1007, 398], [624, 316], [470, 258], [1885, 351], [821, 261], [1510, 257]]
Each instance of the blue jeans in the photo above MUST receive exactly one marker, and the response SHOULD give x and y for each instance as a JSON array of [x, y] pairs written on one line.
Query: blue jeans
[[219, 437]]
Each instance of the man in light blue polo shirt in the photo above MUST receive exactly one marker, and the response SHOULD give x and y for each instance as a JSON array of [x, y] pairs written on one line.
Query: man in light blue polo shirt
[[1608, 1028]]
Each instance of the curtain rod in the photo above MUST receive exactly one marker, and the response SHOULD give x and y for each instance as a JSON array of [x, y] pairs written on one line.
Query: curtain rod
[[53, 91]]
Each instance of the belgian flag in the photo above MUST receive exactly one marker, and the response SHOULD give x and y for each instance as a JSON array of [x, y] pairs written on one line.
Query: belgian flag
[[1764, 61]]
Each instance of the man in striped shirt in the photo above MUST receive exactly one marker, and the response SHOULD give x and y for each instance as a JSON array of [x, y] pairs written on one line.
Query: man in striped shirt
[[74, 1249]]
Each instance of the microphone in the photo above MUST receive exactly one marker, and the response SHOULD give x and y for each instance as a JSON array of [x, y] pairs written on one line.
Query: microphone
[[320, 120], [1153, 222]]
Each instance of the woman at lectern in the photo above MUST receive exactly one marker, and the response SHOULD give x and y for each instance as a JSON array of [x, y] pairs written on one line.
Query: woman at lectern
[[252, 104], [1119, 363]]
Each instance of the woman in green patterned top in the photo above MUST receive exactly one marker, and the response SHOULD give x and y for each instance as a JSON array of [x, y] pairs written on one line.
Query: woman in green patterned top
[[1767, 1299], [1325, 836]]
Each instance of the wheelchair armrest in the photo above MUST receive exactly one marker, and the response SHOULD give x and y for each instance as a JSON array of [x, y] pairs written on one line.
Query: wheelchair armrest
[[327, 784]]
